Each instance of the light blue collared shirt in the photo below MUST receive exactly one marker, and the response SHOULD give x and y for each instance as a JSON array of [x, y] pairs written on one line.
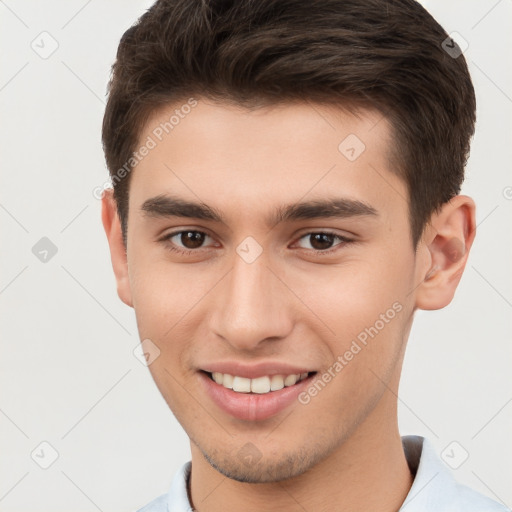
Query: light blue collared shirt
[[434, 488]]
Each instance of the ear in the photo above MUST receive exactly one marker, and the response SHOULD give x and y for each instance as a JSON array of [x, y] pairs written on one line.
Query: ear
[[112, 226], [446, 243]]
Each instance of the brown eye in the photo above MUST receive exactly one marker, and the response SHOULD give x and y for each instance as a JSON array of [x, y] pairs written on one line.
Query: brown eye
[[185, 241], [192, 239], [323, 242]]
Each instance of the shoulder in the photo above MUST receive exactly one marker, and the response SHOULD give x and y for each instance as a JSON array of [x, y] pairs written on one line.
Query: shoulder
[[176, 499], [157, 505], [468, 499], [434, 487]]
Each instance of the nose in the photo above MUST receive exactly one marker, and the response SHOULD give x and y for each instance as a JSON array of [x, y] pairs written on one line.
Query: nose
[[252, 306]]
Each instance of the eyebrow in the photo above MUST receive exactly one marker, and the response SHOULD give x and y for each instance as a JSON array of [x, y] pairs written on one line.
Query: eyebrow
[[170, 206]]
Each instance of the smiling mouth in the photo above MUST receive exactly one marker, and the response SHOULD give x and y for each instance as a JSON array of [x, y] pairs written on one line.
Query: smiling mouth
[[260, 385]]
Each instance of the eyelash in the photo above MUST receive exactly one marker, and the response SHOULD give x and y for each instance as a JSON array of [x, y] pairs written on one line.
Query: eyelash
[[187, 252]]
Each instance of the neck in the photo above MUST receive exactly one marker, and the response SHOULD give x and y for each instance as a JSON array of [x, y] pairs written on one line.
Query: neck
[[368, 471]]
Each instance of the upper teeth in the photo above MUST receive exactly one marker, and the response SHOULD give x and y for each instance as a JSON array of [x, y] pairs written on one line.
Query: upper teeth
[[258, 385]]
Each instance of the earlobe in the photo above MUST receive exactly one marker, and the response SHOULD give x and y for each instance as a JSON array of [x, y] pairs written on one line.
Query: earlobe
[[112, 226], [447, 239]]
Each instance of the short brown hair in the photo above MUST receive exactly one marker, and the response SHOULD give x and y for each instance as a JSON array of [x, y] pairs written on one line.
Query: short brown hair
[[382, 54]]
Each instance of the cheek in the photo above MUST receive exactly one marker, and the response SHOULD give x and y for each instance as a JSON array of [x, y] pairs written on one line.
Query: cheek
[[366, 307], [353, 295], [162, 293]]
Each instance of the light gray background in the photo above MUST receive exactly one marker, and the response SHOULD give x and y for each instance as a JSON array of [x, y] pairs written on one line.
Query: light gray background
[[68, 373]]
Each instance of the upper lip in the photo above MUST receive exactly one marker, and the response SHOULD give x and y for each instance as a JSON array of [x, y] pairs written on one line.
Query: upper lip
[[255, 370]]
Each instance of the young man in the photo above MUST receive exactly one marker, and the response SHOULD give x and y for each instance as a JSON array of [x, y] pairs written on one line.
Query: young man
[[286, 178]]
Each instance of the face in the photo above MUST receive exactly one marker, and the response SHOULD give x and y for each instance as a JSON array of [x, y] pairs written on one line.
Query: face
[[299, 263]]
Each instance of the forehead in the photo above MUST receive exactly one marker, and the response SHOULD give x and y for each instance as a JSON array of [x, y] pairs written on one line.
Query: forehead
[[239, 160]]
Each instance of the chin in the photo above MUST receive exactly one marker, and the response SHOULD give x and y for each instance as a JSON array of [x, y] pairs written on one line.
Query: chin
[[248, 465]]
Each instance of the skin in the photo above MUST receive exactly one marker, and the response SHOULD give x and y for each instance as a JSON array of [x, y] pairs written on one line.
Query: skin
[[342, 450]]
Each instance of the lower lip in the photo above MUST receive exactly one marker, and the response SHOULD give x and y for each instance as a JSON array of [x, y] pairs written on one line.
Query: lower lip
[[252, 406]]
